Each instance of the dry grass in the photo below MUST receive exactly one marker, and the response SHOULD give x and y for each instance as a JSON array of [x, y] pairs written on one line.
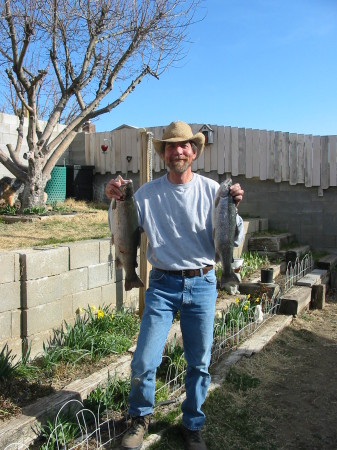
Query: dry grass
[[89, 222]]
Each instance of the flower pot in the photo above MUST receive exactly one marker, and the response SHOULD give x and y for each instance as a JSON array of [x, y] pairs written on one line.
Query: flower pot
[[267, 275]]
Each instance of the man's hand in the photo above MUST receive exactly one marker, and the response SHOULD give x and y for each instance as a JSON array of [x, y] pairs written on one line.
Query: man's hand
[[112, 188], [237, 193]]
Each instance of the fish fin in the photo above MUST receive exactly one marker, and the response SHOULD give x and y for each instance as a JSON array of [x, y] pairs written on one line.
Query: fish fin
[[134, 282], [230, 282]]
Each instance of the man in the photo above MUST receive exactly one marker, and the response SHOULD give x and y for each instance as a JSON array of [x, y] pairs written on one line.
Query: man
[[175, 213]]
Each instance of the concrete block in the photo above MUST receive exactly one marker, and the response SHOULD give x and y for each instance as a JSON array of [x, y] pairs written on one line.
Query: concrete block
[[100, 274], [83, 253], [251, 225], [15, 346], [316, 276], [106, 250], [109, 295], [74, 281], [7, 264], [5, 325], [16, 324], [295, 300], [9, 296], [86, 299], [41, 291], [67, 308], [263, 224], [41, 318], [44, 262]]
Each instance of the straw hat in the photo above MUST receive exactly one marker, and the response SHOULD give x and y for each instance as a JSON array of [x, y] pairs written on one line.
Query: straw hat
[[179, 132]]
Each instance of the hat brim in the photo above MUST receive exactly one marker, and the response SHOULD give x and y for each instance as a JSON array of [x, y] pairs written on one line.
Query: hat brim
[[198, 139]]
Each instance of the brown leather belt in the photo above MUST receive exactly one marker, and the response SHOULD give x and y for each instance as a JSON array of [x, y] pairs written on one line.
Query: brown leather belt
[[188, 273]]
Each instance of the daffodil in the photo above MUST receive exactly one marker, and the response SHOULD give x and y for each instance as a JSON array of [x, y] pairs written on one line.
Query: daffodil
[[93, 308], [245, 307], [237, 300], [79, 310], [100, 314], [257, 300], [248, 296]]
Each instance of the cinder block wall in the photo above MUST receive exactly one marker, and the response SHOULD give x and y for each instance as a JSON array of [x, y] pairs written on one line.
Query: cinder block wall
[[42, 287]]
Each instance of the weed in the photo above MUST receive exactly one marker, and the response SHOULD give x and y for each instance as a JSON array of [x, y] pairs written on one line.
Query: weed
[[7, 366]]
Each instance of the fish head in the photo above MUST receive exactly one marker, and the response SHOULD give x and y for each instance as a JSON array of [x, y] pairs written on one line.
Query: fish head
[[127, 190], [224, 188]]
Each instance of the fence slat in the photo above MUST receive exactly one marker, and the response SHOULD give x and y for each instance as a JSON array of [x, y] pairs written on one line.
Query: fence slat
[[242, 151], [263, 155], [278, 157], [228, 154], [316, 161], [249, 153], [333, 160], [214, 148], [292, 158], [220, 151], [285, 157], [235, 151], [271, 155], [325, 172], [308, 160], [300, 158], [256, 153]]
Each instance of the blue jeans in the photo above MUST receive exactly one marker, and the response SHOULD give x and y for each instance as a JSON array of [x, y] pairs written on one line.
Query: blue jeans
[[195, 298]]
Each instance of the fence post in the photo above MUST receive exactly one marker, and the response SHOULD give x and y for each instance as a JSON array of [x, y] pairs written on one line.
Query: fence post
[[144, 177]]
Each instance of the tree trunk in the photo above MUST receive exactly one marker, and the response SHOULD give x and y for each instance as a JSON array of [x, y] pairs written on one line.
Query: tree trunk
[[33, 194]]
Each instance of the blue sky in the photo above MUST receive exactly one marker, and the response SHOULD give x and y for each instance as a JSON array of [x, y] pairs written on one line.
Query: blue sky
[[264, 64]]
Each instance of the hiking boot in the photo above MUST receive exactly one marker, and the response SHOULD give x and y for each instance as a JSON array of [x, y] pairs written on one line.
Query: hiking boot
[[193, 439], [133, 438]]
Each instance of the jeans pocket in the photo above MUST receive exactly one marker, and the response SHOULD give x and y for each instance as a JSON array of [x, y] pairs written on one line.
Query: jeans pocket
[[156, 275], [210, 277]]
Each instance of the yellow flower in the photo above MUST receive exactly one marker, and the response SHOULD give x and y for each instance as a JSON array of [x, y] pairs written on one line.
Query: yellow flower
[[79, 310], [93, 308], [237, 300], [100, 314], [245, 307], [112, 316], [248, 296], [257, 300]]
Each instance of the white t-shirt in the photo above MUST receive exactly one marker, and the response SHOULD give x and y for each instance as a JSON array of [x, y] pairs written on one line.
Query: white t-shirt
[[177, 219]]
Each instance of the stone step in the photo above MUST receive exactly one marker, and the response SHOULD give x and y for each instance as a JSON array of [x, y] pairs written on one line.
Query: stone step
[[270, 242]]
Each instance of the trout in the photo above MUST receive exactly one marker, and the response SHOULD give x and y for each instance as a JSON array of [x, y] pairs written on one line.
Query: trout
[[125, 234], [224, 228]]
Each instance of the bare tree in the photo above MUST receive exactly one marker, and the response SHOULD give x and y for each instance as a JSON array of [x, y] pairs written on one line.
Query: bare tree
[[71, 61]]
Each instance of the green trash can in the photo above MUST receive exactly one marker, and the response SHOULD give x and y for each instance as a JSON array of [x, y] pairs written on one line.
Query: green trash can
[[57, 185]]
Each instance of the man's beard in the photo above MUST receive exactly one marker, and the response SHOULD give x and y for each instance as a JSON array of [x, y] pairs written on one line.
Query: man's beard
[[179, 165]]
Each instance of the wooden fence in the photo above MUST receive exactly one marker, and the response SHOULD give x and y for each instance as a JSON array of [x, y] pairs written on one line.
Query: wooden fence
[[267, 155]]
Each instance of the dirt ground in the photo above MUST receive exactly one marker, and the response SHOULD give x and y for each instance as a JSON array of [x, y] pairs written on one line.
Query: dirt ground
[[297, 397]]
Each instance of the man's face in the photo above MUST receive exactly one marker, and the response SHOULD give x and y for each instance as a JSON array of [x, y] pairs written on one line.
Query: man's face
[[179, 156]]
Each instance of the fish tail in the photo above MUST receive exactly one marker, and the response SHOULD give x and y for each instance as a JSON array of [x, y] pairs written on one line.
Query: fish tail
[[230, 277], [134, 282]]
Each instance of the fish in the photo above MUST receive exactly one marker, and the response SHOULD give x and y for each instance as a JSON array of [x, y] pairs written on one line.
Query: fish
[[224, 228], [125, 234]]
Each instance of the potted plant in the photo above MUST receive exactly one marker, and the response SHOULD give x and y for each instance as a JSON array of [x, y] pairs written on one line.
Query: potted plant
[[267, 272]]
